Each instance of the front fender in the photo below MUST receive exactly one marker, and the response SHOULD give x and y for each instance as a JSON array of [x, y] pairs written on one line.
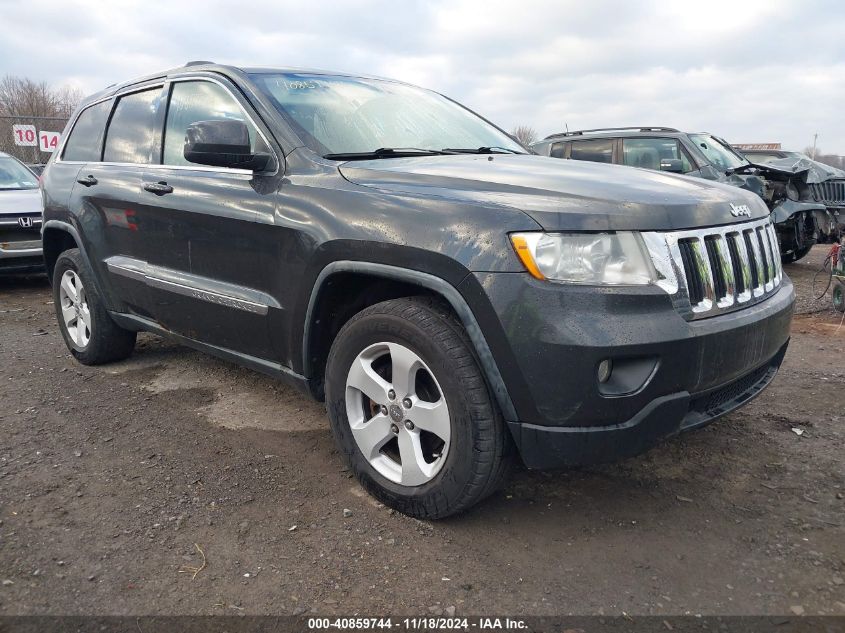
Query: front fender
[[448, 291], [787, 208]]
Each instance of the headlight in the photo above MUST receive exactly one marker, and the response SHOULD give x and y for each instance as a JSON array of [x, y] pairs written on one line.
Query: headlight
[[616, 259], [792, 192]]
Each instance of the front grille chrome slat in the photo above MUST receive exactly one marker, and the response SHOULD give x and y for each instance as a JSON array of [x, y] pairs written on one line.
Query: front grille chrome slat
[[776, 249], [742, 265], [725, 271], [717, 270], [762, 237], [702, 262], [757, 267]]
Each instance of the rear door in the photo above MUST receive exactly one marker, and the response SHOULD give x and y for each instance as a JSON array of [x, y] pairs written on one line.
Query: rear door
[[82, 144], [105, 197], [107, 147], [213, 281]]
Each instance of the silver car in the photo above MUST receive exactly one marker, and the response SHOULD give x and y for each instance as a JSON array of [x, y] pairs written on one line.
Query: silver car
[[20, 218]]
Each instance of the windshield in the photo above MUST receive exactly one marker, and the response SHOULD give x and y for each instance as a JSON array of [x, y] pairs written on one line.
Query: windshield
[[13, 175], [343, 115], [755, 157], [718, 153]]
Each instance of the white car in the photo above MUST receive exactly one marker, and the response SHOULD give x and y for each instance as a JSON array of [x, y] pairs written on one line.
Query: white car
[[20, 218]]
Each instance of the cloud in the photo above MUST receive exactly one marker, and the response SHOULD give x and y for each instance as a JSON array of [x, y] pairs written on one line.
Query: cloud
[[749, 71]]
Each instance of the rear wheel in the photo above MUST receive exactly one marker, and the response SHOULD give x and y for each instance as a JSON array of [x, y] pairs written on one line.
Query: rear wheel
[[89, 332], [411, 411]]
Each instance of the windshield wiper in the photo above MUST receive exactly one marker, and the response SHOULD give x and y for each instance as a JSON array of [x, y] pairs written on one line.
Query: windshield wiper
[[481, 150], [387, 152]]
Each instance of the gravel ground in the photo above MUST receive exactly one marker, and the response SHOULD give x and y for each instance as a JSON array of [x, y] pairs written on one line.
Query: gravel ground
[[174, 483], [810, 282]]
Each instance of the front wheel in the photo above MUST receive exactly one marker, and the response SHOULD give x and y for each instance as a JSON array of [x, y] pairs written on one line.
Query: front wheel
[[411, 411], [797, 254]]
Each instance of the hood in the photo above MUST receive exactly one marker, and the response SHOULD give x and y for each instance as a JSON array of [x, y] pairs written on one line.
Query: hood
[[564, 194], [20, 201], [768, 180], [808, 170], [816, 171]]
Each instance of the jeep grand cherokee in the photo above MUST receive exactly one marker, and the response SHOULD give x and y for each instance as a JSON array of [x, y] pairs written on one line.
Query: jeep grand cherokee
[[454, 300]]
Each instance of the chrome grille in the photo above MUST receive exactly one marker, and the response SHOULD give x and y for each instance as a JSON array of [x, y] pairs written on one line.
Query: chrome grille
[[831, 192], [717, 270], [14, 220]]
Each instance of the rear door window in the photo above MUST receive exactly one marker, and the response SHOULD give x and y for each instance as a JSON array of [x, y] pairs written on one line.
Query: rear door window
[[597, 150], [647, 153], [83, 144], [558, 150], [131, 132]]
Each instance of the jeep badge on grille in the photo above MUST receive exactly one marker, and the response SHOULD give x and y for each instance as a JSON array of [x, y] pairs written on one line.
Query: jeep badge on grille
[[740, 209]]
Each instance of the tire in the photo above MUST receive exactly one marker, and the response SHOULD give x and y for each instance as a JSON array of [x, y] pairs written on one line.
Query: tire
[[797, 254], [839, 295], [455, 472], [100, 339]]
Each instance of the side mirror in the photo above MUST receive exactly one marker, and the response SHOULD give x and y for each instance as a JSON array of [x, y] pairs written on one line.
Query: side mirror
[[222, 143], [673, 165]]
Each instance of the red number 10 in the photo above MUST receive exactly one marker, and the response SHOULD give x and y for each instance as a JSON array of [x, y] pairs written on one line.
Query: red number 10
[[25, 135]]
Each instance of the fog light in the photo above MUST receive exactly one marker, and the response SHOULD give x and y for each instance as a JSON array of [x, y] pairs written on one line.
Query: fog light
[[605, 369]]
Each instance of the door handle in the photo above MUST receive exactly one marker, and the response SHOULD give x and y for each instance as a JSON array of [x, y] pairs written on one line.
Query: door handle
[[159, 188], [88, 181]]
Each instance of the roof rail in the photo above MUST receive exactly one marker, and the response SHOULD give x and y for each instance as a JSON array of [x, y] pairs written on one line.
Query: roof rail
[[639, 128], [198, 62]]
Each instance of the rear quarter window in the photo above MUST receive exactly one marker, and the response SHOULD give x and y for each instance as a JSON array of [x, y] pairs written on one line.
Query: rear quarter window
[[83, 144]]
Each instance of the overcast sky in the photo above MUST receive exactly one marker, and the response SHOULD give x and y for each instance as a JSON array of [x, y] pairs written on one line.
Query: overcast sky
[[750, 71]]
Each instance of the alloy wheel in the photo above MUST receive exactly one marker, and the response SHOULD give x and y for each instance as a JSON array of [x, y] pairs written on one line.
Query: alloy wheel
[[398, 414], [75, 311]]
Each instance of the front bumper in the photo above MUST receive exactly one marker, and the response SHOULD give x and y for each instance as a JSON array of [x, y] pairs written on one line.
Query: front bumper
[[544, 447], [21, 257], [673, 374]]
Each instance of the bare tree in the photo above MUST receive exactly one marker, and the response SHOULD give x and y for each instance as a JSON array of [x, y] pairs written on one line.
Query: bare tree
[[525, 134], [23, 98]]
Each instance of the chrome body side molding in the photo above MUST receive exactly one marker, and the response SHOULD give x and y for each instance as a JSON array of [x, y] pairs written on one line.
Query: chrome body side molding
[[190, 285]]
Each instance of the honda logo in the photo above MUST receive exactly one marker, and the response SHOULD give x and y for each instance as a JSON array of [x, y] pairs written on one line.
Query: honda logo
[[26, 223]]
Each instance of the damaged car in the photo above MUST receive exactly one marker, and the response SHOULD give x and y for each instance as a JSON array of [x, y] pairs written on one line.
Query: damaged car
[[800, 218], [826, 183]]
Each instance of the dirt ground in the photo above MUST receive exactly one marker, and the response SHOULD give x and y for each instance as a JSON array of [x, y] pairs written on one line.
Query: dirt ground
[[119, 482]]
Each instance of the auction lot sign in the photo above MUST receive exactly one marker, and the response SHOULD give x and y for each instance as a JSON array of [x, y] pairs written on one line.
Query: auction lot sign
[[48, 141], [25, 135], [28, 136]]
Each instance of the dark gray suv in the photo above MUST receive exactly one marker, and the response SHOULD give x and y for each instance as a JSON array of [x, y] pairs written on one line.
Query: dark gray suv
[[456, 301]]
